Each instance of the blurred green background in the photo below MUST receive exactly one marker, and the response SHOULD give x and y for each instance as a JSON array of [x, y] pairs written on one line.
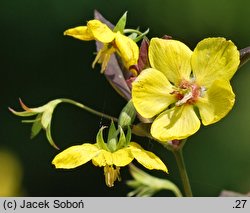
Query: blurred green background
[[39, 64]]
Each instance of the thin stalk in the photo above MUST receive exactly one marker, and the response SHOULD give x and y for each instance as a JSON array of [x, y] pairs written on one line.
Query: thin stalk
[[183, 172], [132, 31], [100, 114]]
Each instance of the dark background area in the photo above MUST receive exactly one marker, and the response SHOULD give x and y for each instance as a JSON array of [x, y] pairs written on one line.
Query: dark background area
[[39, 64]]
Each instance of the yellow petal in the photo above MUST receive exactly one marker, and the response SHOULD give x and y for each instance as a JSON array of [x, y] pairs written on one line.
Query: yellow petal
[[100, 31], [151, 93], [128, 49], [119, 158], [75, 156], [216, 103], [148, 159], [122, 157], [171, 57], [80, 32], [103, 56], [103, 158], [175, 123], [213, 59]]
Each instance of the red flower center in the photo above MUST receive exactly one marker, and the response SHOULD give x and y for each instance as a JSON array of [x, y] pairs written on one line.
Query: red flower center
[[187, 93]]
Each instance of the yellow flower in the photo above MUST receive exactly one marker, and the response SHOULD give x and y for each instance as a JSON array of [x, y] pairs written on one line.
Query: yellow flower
[[112, 41], [183, 85], [111, 155]]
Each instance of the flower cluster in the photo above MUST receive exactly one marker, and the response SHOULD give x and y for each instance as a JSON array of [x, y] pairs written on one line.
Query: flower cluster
[[169, 88], [178, 87]]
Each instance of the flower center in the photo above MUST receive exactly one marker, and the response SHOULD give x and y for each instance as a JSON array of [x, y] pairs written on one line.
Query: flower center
[[188, 92]]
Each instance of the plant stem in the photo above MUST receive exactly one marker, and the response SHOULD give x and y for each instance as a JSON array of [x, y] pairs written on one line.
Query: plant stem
[[183, 172], [65, 100]]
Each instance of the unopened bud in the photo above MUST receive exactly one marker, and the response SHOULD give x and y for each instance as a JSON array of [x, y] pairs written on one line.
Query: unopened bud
[[127, 115]]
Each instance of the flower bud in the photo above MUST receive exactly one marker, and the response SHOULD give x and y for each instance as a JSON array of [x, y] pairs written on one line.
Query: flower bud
[[146, 185], [127, 115]]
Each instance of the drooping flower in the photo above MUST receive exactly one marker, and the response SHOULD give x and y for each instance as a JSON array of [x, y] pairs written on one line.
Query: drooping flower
[[112, 41], [43, 118], [111, 155], [183, 86]]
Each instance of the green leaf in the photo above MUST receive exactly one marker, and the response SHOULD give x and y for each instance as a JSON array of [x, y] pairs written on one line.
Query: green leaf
[[36, 127], [120, 26]]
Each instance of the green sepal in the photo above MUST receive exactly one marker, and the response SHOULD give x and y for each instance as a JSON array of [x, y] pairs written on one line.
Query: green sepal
[[141, 36], [122, 139], [99, 139], [23, 114], [36, 127], [146, 185], [48, 110], [112, 137], [112, 145], [128, 136], [133, 36], [127, 115], [112, 131], [29, 121], [49, 137], [46, 117], [120, 26]]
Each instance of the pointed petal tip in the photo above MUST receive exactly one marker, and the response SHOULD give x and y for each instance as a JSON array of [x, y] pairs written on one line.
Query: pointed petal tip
[[11, 110], [66, 32], [23, 105], [55, 146], [54, 163]]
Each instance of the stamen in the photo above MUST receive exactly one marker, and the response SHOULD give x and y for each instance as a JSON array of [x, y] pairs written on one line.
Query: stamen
[[202, 91], [111, 175], [184, 100]]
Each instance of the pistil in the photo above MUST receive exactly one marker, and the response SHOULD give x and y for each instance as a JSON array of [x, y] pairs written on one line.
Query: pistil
[[188, 92], [185, 99]]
